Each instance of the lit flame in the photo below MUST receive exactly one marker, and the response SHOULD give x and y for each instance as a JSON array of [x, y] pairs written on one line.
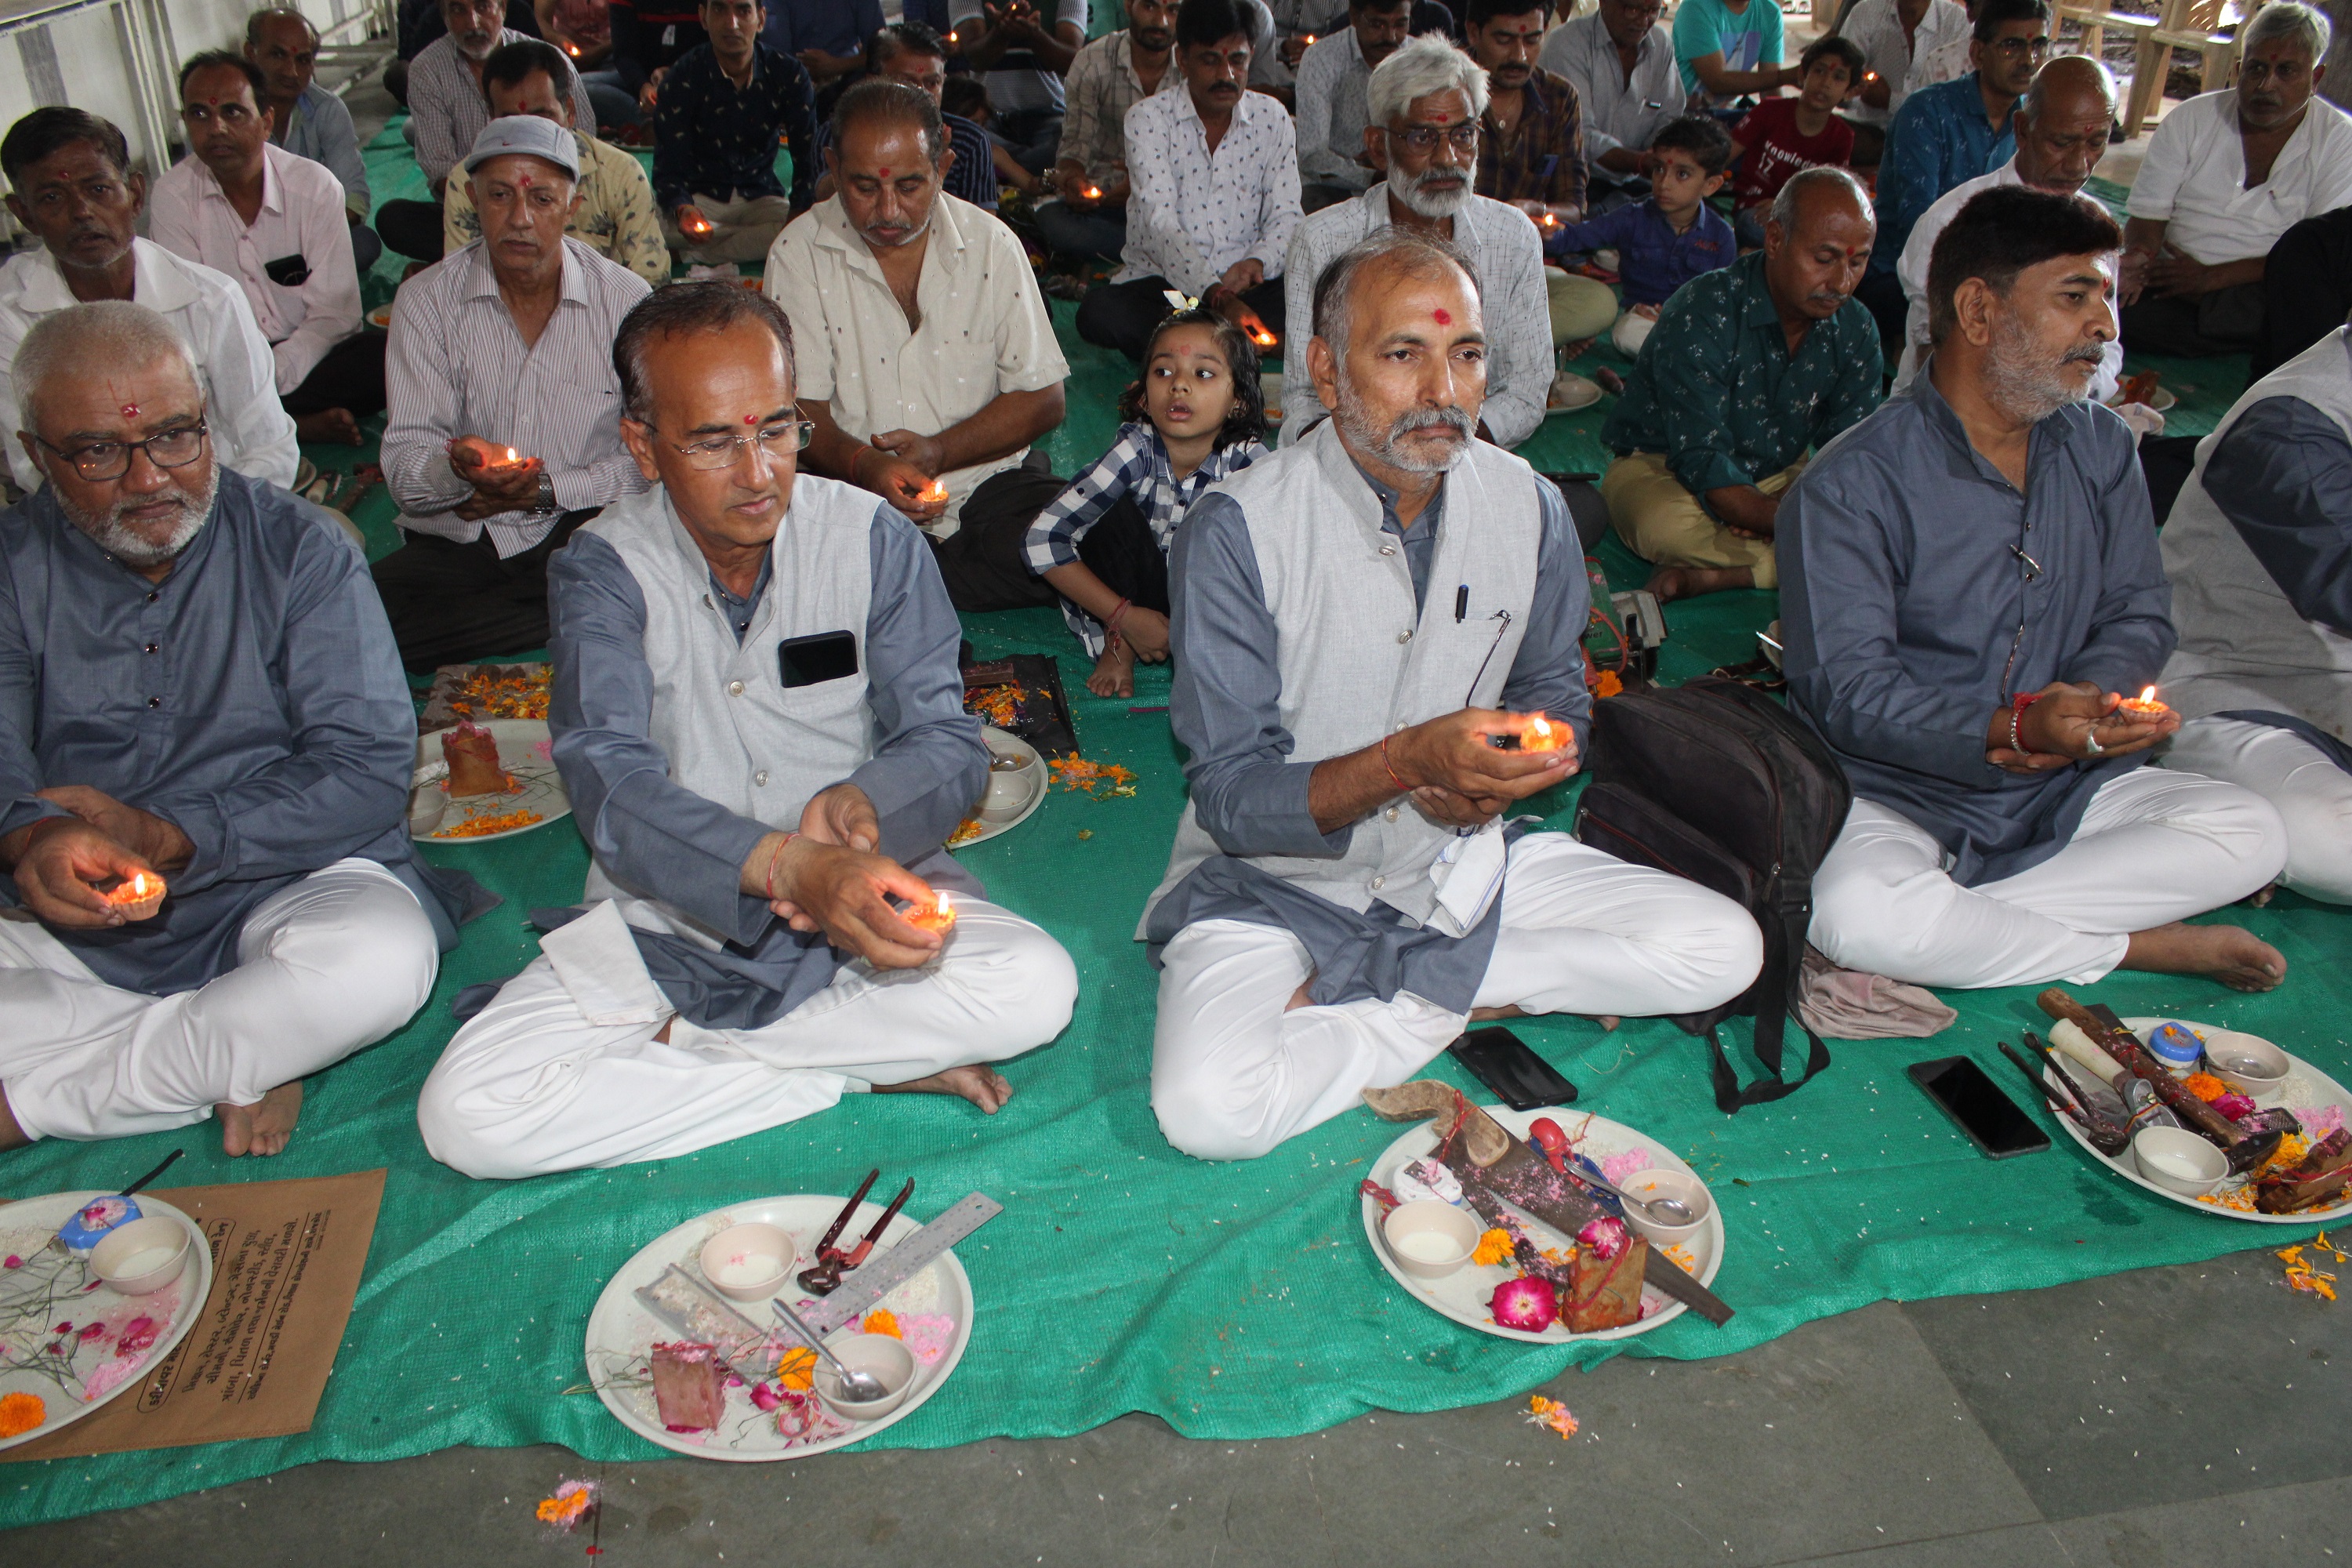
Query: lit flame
[[1540, 735], [939, 917], [934, 492], [1265, 338], [1310, 39], [510, 455], [951, 38], [2148, 696], [1094, 193], [137, 889], [1549, 220], [572, 49]]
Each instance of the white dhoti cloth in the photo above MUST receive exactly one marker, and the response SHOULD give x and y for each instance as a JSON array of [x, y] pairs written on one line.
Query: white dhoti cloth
[[1233, 1074], [2313, 795], [2154, 847], [330, 963], [531, 1085]]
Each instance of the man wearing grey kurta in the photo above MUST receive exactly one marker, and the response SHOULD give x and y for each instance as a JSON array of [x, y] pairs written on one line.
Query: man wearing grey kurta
[[197, 682], [1357, 629], [1430, 189], [2259, 548], [759, 715], [1969, 587]]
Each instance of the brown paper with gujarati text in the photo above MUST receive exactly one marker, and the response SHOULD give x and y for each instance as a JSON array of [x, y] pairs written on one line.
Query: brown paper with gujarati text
[[287, 1259]]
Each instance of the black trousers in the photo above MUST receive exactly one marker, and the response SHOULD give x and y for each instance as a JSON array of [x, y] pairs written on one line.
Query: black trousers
[[1122, 315], [2226, 321], [412, 229], [2307, 289], [451, 603], [985, 563], [1121, 551], [351, 376]]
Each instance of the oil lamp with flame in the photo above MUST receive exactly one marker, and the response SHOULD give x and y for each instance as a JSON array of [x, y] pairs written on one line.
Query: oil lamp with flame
[[940, 916], [2143, 706], [137, 895]]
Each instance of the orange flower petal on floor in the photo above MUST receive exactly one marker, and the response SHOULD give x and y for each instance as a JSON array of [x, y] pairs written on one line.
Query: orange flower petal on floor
[[1551, 1415], [1101, 781]]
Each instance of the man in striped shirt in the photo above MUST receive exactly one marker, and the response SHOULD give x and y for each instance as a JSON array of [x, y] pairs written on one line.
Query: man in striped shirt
[[504, 432]]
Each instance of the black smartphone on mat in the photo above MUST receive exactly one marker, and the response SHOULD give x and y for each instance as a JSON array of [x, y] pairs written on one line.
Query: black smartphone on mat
[[1993, 1121], [813, 660], [1520, 1078]]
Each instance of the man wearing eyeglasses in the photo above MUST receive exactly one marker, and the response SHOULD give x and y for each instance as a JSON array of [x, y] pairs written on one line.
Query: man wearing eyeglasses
[[70, 182], [503, 432], [205, 751], [759, 715], [1213, 200], [1946, 135], [1426, 100]]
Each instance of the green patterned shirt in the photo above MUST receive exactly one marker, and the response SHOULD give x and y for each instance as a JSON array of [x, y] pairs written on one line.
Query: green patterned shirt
[[615, 218], [1716, 390]]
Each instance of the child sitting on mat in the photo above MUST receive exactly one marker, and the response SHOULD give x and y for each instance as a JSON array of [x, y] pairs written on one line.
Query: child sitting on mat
[[1197, 415]]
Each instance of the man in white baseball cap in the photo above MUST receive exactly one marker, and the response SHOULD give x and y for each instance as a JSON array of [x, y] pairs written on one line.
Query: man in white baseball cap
[[504, 426]]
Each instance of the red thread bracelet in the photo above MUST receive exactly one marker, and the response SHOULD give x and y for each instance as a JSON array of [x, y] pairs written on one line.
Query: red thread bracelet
[[771, 865], [2017, 707], [1402, 787]]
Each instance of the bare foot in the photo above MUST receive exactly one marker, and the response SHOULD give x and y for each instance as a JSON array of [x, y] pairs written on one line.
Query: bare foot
[[2238, 959], [334, 425], [264, 1127], [984, 1086], [1494, 1014], [1671, 582], [1114, 673]]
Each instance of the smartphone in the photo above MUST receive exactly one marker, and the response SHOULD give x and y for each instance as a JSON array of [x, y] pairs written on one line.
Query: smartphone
[[1992, 1121], [1520, 1078], [813, 660]]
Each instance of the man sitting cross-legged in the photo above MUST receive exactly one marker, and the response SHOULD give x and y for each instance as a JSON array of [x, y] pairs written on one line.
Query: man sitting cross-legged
[[2256, 550], [1968, 580], [1357, 621], [197, 683], [1748, 368], [758, 713]]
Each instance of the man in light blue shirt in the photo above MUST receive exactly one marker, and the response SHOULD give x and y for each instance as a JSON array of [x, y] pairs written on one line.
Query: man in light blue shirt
[[1725, 49], [306, 120], [206, 746]]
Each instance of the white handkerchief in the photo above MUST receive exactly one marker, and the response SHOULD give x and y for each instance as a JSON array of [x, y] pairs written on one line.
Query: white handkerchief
[[1468, 873], [596, 958]]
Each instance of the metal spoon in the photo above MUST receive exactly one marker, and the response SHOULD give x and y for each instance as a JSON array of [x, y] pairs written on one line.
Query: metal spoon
[[856, 1387], [1664, 1211]]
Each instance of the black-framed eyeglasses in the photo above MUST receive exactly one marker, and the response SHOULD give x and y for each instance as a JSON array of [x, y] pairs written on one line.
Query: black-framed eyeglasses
[[1426, 138], [102, 460], [780, 439], [2023, 46]]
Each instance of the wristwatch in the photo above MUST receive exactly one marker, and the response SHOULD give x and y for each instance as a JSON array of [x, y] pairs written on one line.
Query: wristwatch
[[545, 500]]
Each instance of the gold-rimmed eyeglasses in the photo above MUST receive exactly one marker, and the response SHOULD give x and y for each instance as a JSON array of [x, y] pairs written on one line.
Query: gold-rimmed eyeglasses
[[780, 439]]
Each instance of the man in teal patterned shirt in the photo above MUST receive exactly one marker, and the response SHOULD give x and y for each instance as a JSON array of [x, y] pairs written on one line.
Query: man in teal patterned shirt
[[1751, 367]]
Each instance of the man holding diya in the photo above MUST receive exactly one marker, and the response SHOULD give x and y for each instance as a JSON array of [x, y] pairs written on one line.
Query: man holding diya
[[1358, 621], [758, 712]]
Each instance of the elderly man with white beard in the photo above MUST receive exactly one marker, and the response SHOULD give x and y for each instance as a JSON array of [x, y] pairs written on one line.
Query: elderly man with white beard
[[205, 744], [1377, 652], [1969, 584], [1426, 100]]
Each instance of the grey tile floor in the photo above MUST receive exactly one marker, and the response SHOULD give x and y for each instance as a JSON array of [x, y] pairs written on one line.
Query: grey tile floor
[[2162, 1419]]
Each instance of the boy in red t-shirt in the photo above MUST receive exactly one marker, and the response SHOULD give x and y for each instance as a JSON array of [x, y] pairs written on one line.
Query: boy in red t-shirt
[[1782, 135]]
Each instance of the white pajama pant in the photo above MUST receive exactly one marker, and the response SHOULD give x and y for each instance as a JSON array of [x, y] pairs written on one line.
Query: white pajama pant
[[2154, 847], [327, 964], [530, 1086], [1233, 1073], [2314, 796]]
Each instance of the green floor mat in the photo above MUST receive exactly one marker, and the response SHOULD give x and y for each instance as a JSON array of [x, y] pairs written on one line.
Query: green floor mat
[[1232, 1300]]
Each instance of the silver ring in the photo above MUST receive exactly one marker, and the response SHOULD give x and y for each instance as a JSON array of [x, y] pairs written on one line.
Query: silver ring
[[2091, 744]]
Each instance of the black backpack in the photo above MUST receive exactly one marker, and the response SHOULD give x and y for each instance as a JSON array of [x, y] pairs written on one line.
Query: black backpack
[[1716, 781]]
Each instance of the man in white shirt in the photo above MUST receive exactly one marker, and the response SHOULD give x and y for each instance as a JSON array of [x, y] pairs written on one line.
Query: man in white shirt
[[1214, 193], [927, 362], [275, 223], [1333, 77], [2062, 132], [1426, 100], [2227, 174], [70, 182], [1906, 44], [1621, 61]]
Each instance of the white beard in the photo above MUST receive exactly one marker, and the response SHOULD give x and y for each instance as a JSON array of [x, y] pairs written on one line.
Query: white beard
[[138, 549]]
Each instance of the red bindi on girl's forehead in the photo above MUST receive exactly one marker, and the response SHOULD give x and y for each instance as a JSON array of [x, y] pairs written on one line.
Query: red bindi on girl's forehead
[[1443, 317]]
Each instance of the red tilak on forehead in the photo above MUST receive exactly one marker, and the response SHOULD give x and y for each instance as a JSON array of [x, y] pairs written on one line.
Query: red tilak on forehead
[[751, 420], [1443, 318], [886, 174], [130, 411], [523, 180]]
